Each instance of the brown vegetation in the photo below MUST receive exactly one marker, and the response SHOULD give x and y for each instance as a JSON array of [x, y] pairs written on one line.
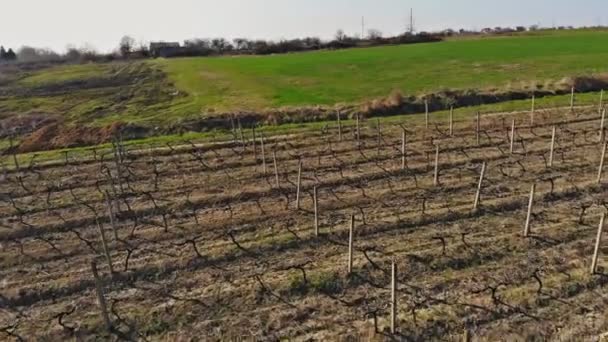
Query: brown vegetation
[[56, 135], [204, 244]]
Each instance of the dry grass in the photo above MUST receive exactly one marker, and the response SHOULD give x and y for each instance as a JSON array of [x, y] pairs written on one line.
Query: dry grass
[[215, 250]]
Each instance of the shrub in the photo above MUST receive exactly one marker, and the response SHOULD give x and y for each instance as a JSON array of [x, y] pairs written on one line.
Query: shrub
[[326, 283], [395, 99]]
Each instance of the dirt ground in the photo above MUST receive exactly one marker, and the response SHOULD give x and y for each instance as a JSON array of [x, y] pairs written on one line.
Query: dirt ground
[[206, 242]]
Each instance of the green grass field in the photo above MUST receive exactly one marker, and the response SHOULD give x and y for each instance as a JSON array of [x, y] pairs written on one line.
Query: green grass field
[[164, 92], [320, 78], [346, 76]]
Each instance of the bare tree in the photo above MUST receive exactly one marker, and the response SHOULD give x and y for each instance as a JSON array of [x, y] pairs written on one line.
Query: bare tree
[[72, 53], [126, 45], [241, 43], [220, 45], [374, 34], [31, 54], [340, 35], [197, 43]]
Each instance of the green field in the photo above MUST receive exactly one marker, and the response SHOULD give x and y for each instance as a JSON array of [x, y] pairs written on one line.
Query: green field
[[164, 92], [347, 76]]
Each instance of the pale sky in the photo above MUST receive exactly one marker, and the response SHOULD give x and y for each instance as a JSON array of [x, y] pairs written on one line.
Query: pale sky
[[101, 23]]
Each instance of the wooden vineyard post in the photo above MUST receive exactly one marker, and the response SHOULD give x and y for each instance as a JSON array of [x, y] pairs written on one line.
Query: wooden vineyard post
[[299, 184], [532, 110], [233, 129], [339, 127], [601, 168], [118, 164], [598, 241], [104, 244], [478, 193], [478, 128], [351, 231], [264, 168], [315, 200], [572, 99], [111, 215], [529, 215], [379, 135], [238, 121], [276, 169], [436, 174], [601, 101], [393, 297], [103, 307], [602, 123], [451, 120], [512, 136], [551, 154], [466, 336], [358, 131], [403, 153], [426, 113], [255, 150]]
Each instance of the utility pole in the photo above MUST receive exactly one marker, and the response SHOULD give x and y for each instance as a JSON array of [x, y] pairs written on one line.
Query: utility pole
[[362, 27], [411, 28]]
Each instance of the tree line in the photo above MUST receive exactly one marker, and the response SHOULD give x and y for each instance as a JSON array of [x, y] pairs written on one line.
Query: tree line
[[29, 54], [341, 40], [7, 56], [128, 48], [241, 46]]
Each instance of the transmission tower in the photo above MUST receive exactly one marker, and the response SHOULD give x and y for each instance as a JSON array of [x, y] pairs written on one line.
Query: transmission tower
[[362, 27], [410, 28]]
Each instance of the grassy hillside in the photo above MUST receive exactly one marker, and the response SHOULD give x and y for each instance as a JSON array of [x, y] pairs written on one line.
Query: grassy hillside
[[329, 77], [88, 93], [66, 101], [100, 94]]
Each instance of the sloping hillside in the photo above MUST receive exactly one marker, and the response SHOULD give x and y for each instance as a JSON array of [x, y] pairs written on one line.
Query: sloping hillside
[[47, 107]]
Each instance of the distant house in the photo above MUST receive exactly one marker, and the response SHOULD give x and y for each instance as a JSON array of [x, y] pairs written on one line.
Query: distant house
[[164, 49]]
